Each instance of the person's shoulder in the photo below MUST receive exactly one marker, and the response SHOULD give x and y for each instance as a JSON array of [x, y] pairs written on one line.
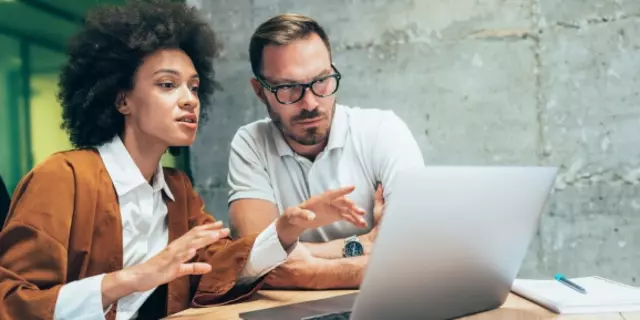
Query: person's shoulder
[[69, 162], [369, 113], [253, 134], [62, 173], [365, 120]]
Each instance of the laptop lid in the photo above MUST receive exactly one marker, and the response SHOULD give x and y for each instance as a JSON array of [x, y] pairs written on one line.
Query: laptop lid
[[452, 240]]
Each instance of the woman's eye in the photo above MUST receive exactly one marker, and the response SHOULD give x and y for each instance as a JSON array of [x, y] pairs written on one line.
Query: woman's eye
[[194, 89], [166, 85]]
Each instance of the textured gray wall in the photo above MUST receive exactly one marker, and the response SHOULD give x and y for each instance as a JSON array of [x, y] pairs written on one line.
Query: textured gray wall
[[479, 82]]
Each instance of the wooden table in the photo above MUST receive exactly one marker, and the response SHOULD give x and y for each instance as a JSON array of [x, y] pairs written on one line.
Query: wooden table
[[515, 308]]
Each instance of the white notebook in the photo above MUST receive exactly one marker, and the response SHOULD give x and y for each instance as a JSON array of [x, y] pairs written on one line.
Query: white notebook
[[603, 295]]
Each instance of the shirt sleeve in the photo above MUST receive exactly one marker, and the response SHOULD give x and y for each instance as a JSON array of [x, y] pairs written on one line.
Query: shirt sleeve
[[267, 253], [248, 177], [81, 297], [395, 149]]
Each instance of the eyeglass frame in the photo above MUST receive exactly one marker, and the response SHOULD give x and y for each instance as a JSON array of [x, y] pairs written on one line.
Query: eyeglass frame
[[274, 89]]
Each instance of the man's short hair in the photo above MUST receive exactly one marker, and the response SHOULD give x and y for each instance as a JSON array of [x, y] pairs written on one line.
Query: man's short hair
[[282, 30]]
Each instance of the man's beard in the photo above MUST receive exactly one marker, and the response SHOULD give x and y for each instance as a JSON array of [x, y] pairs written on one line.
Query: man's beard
[[311, 136]]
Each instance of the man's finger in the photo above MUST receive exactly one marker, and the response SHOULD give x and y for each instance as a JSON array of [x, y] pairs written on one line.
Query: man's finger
[[299, 216], [344, 203], [351, 220], [352, 216], [356, 220], [305, 215], [379, 194], [335, 193]]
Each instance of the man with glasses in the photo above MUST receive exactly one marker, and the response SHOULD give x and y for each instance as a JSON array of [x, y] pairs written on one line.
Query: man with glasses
[[308, 145]]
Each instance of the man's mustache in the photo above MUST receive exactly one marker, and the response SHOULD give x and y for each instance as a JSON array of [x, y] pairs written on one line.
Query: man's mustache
[[306, 114]]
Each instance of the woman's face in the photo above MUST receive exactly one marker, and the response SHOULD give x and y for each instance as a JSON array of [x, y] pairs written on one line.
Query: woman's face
[[163, 107]]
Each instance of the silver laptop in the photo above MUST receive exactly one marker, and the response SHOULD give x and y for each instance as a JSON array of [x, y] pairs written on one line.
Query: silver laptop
[[450, 244]]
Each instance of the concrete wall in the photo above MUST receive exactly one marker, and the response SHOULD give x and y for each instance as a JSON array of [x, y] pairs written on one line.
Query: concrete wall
[[479, 82]]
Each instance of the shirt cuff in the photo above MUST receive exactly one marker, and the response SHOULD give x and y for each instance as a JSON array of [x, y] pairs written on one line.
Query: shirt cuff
[[267, 253], [81, 297]]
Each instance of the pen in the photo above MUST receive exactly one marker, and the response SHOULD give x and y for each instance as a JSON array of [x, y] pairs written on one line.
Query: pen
[[561, 278]]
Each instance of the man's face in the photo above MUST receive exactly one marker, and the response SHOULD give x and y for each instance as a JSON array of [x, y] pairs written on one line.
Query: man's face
[[307, 121]]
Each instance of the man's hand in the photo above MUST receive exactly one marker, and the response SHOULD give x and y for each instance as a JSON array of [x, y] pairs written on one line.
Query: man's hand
[[330, 207], [378, 209], [303, 271], [318, 211], [294, 272]]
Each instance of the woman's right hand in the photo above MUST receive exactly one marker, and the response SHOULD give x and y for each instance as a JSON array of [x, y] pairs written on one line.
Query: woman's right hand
[[170, 263]]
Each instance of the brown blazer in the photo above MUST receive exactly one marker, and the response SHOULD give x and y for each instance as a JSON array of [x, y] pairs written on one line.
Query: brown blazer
[[64, 225]]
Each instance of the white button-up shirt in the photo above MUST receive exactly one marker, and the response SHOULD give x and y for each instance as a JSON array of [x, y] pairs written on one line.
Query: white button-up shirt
[[144, 234]]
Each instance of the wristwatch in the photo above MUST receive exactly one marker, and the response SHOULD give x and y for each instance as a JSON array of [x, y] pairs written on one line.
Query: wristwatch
[[352, 247]]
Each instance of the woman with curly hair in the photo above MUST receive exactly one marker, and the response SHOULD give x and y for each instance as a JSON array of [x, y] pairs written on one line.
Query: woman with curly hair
[[103, 231]]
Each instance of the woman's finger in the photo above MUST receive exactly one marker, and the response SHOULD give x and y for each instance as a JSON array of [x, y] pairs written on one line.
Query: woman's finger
[[185, 248], [180, 255], [196, 268], [197, 232], [206, 238], [207, 226]]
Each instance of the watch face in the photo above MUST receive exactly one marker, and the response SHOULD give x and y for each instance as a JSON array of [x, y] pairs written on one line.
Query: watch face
[[353, 249]]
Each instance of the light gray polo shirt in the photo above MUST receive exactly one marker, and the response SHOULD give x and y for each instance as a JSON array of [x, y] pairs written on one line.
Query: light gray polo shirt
[[365, 146]]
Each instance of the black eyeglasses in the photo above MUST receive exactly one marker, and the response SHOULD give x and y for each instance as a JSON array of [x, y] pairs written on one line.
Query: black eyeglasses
[[290, 93]]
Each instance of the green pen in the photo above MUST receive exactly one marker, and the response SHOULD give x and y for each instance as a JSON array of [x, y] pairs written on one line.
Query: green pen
[[561, 278]]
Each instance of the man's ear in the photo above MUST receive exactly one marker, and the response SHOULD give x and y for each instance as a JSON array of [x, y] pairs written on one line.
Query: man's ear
[[257, 89], [121, 104]]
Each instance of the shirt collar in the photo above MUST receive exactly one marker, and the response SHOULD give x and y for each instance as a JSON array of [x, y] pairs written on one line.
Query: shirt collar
[[125, 173], [337, 135]]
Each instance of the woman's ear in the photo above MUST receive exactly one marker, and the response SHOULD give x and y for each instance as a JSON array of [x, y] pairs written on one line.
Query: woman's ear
[[121, 104]]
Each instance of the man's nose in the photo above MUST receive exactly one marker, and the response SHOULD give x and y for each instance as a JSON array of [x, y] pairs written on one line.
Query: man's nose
[[309, 100]]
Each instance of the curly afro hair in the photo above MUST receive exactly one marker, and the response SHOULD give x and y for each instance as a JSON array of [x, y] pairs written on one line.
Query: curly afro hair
[[104, 56]]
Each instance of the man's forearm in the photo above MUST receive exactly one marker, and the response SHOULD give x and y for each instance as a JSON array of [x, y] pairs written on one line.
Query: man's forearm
[[344, 273], [325, 250], [333, 249]]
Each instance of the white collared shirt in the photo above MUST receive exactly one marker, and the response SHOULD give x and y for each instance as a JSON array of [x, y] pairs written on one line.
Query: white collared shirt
[[144, 234], [365, 146]]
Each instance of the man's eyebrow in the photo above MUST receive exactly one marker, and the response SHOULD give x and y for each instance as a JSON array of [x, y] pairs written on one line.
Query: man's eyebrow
[[287, 80], [174, 72]]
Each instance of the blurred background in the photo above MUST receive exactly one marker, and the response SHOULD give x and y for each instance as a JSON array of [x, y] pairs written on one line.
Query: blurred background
[[33, 39], [482, 82]]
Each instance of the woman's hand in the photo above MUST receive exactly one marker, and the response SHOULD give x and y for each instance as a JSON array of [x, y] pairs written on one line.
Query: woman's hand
[[169, 264]]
